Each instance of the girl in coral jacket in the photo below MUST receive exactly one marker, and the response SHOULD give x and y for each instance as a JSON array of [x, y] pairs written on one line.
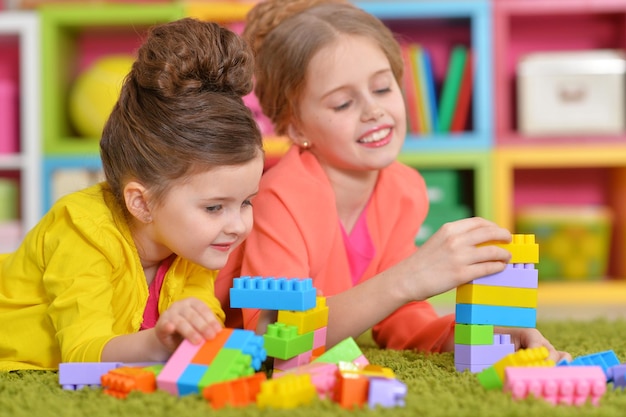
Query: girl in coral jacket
[[124, 270], [338, 207]]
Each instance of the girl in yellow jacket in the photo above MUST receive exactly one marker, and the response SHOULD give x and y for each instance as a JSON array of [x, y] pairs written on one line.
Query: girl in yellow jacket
[[124, 270]]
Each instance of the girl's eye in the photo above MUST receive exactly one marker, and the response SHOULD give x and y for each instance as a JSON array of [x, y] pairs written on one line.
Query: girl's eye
[[342, 106], [247, 203], [383, 90], [213, 209]]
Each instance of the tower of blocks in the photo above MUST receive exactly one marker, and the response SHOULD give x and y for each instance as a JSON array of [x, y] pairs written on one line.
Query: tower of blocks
[[507, 298], [232, 354], [299, 334]]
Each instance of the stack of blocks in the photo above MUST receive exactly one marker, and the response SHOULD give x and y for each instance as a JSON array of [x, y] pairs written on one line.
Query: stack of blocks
[[507, 298], [232, 354], [299, 335]]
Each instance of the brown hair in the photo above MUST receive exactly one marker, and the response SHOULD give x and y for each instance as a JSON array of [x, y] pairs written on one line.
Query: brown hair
[[180, 109], [285, 34]]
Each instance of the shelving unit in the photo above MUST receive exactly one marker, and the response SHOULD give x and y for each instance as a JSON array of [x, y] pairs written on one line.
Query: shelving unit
[[503, 169], [438, 26], [565, 169], [20, 30]]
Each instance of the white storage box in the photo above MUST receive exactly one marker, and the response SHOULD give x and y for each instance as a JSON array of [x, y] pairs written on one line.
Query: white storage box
[[571, 93]]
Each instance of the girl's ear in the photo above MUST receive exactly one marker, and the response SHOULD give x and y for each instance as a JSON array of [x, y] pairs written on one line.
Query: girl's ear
[[297, 137], [136, 199]]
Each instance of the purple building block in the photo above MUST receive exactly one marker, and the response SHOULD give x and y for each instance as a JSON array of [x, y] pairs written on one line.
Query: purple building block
[[386, 392], [617, 374], [514, 275], [76, 375], [481, 356]]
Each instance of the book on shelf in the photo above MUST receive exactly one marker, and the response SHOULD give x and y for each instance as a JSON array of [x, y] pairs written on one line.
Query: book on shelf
[[459, 120], [451, 87]]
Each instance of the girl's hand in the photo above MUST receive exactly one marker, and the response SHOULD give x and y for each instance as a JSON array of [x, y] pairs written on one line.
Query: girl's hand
[[189, 319], [455, 255], [525, 338]]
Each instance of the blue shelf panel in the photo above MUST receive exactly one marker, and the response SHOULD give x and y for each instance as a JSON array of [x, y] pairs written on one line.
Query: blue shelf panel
[[478, 13], [52, 164]]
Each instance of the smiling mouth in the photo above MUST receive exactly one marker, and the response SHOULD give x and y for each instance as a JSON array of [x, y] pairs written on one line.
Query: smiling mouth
[[375, 136]]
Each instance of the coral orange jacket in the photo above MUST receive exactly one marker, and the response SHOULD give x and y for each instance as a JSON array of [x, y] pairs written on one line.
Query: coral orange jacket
[[297, 233]]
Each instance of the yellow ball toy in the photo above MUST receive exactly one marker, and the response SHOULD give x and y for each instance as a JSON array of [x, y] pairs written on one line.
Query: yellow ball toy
[[95, 92]]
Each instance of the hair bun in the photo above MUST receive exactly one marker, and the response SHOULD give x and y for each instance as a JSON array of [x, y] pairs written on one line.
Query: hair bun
[[188, 56]]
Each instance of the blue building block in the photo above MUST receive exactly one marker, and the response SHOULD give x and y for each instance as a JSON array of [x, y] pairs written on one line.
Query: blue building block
[[249, 343], [189, 380], [269, 293], [496, 315], [605, 360]]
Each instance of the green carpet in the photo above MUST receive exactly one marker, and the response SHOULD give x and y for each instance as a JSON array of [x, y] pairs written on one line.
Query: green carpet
[[435, 388]]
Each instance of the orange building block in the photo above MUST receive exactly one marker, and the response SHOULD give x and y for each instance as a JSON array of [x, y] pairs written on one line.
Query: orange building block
[[351, 390], [119, 382], [235, 393]]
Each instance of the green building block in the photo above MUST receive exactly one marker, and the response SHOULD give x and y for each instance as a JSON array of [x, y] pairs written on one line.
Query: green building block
[[282, 341], [473, 334], [344, 351], [490, 379], [228, 364]]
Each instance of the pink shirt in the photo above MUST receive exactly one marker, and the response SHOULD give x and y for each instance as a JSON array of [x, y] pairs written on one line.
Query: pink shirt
[[151, 312], [359, 247]]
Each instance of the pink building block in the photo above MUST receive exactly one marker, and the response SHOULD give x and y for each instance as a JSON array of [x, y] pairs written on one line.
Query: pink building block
[[175, 366], [570, 385], [319, 338], [299, 360]]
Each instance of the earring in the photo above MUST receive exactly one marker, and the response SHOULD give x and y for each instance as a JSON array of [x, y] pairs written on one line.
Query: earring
[[306, 144]]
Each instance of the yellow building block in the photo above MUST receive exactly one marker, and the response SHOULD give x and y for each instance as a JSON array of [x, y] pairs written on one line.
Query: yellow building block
[[524, 357], [289, 391], [523, 249], [496, 296], [309, 320]]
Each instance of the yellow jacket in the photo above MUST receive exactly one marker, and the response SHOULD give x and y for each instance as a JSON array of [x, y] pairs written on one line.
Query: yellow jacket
[[77, 281]]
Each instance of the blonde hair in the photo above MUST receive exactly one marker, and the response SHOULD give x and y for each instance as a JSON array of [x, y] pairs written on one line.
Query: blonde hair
[[284, 36]]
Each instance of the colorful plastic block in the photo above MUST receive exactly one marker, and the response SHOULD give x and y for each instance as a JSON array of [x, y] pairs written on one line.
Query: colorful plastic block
[[306, 321], [299, 360], [605, 360], [76, 375], [347, 351], [323, 376], [523, 249], [289, 391], [371, 371], [485, 355], [282, 341], [496, 315], [228, 364], [493, 376], [193, 367], [473, 334], [386, 393], [319, 338], [575, 385], [351, 390], [514, 275], [120, 382], [235, 393], [496, 296], [175, 366], [271, 293], [617, 375]]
